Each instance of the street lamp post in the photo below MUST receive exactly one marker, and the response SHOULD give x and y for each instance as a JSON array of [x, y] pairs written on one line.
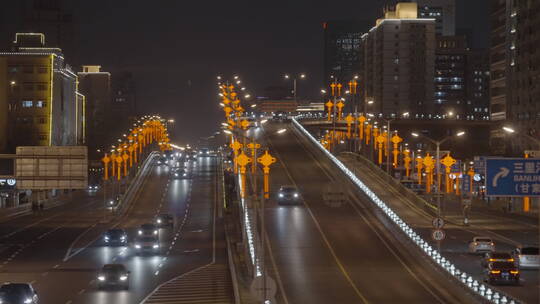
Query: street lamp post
[[437, 162], [301, 76]]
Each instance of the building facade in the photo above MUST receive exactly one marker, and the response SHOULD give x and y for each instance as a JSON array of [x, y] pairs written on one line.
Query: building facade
[[398, 64], [444, 13], [342, 41], [96, 86], [515, 73], [40, 96]]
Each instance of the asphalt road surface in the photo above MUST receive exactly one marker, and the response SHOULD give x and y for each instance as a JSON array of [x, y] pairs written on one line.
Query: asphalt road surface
[[61, 250]]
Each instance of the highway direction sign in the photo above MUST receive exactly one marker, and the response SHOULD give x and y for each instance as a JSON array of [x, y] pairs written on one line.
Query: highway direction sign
[[512, 177], [438, 223], [438, 235]]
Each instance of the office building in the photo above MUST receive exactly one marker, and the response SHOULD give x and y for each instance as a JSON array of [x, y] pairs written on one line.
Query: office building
[[450, 77], [398, 64], [515, 73], [342, 40], [50, 18], [40, 96], [477, 83], [96, 86], [124, 101], [444, 13]]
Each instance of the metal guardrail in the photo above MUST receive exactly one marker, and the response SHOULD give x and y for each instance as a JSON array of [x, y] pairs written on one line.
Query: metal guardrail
[[136, 184], [486, 292]]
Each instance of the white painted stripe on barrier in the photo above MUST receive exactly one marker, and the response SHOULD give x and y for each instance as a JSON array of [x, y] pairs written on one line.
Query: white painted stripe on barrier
[[480, 289]]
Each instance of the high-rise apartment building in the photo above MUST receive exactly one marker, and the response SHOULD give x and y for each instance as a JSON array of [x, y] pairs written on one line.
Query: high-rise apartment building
[[477, 83], [40, 96], [515, 73], [96, 86], [342, 40], [398, 60], [444, 13]]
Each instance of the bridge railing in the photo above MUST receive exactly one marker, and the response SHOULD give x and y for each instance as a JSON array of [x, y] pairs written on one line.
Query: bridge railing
[[484, 291]]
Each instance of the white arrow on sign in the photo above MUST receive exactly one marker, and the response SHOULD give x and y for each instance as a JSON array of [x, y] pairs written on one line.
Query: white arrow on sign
[[503, 173]]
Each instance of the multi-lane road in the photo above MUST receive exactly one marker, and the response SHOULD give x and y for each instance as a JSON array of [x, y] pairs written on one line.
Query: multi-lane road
[[339, 254], [60, 250]]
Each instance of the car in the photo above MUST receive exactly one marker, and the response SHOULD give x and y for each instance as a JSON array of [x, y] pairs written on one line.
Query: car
[[527, 257], [490, 257], [288, 194], [147, 244], [165, 220], [18, 293], [148, 230], [113, 275], [162, 160], [204, 152], [481, 244], [501, 273], [115, 236], [181, 174], [93, 187]]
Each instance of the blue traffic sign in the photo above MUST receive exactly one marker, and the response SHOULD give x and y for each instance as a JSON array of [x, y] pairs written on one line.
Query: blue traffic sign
[[512, 177]]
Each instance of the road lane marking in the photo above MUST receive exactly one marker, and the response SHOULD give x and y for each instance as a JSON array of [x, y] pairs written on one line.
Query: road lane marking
[[323, 235]]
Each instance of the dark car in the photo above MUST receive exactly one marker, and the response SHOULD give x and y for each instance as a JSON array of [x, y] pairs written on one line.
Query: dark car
[[490, 257], [181, 174], [502, 273], [162, 160], [165, 220], [147, 229], [18, 293], [288, 194], [115, 237], [113, 275]]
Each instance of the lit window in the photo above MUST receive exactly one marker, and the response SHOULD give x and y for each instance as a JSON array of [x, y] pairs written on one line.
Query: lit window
[[27, 103]]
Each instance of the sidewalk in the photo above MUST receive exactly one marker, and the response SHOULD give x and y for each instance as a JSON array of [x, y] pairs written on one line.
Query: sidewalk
[[26, 209]]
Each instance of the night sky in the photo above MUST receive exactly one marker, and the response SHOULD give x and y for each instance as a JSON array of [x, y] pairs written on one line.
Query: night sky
[[176, 48]]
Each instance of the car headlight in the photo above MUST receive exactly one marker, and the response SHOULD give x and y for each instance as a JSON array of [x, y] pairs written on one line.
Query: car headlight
[[28, 300], [123, 278], [101, 278], [159, 221], [111, 202], [155, 246], [140, 232], [281, 195], [137, 246], [185, 174], [155, 231], [176, 174], [296, 195]]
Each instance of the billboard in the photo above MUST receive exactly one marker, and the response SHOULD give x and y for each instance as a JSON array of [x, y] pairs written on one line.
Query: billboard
[[55, 167]]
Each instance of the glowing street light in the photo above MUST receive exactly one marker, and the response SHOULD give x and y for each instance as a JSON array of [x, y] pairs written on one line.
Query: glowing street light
[[509, 130], [280, 131], [301, 76]]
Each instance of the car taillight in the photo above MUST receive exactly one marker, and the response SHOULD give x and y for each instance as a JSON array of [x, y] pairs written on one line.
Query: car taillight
[[514, 271], [495, 271]]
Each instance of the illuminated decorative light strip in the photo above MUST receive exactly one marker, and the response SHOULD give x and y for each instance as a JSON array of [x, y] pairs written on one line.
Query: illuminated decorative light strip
[[480, 289], [249, 232], [51, 102]]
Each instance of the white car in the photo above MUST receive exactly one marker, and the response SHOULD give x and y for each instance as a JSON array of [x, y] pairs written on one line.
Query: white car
[[527, 257], [481, 244]]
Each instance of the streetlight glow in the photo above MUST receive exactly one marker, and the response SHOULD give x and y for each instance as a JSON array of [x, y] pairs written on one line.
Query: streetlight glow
[[460, 133], [323, 91], [302, 76], [286, 76], [281, 131], [415, 134]]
